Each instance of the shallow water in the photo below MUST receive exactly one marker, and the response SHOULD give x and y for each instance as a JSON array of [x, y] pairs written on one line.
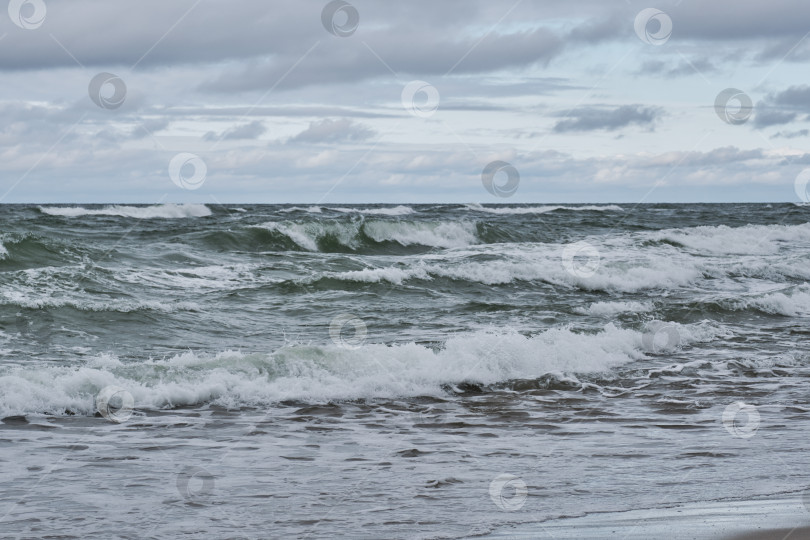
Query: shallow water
[[400, 371]]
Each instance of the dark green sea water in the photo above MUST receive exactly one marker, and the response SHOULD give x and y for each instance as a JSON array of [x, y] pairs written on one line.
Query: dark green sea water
[[367, 371]]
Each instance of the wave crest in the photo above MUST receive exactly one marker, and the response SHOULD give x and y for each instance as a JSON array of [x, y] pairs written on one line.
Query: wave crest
[[159, 211], [330, 236], [542, 209], [322, 373]]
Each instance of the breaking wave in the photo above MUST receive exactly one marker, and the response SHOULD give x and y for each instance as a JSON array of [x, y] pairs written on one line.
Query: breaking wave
[[724, 240], [395, 211], [323, 373], [332, 236], [541, 209], [160, 211]]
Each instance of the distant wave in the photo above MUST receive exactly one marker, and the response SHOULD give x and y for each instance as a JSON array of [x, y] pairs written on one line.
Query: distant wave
[[385, 211], [323, 235], [395, 211], [310, 209], [542, 209], [322, 373], [167, 211]]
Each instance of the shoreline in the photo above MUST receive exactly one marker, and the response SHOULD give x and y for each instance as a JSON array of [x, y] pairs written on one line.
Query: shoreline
[[784, 518]]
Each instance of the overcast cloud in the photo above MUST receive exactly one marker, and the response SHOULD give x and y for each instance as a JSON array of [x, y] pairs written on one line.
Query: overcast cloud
[[410, 106]]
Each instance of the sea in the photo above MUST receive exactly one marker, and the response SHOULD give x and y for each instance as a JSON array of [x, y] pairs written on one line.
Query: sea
[[395, 371]]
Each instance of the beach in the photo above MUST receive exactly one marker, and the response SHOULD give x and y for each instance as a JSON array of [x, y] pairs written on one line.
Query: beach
[[768, 519]]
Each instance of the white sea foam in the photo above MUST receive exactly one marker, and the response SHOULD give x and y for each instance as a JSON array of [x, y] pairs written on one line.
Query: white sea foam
[[29, 298], [305, 235], [542, 209], [167, 211], [796, 303], [211, 277], [318, 374], [378, 275], [444, 234], [607, 309], [3, 252], [543, 265], [310, 209], [747, 240]]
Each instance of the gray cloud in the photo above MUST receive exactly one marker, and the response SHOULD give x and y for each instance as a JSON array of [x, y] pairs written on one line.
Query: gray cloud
[[729, 20], [251, 130], [591, 119], [329, 130], [765, 117], [791, 134], [205, 72], [797, 97], [782, 107], [424, 54], [149, 127], [678, 68]]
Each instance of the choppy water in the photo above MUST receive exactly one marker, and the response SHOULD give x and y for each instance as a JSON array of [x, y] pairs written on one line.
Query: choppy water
[[423, 371]]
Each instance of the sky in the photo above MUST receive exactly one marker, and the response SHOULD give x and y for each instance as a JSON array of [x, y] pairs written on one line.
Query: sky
[[303, 101]]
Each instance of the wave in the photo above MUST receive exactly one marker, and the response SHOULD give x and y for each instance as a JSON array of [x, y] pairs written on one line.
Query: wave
[[310, 209], [794, 304], [443, 234], [541, 209], [323, 373], [400, 210], [746, 240], [27, 250], [165, 211], [43, 301], [544, 267], [607, 309], [335, 236], [395, 211]]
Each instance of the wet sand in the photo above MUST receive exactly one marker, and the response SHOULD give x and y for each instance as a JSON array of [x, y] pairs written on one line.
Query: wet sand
[[773, 519], [796, 533]]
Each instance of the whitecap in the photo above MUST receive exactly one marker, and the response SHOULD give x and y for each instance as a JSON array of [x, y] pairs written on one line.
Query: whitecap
[[321, 373], [167, 211]]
